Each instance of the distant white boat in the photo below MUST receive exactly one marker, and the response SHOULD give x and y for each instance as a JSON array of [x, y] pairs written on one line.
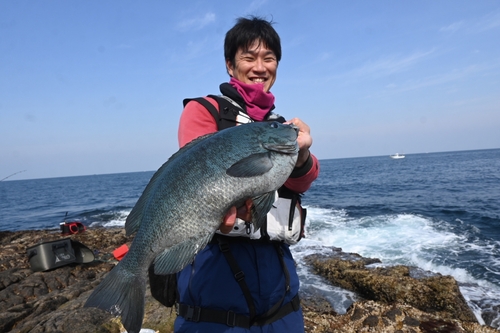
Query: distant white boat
[[397, 156]]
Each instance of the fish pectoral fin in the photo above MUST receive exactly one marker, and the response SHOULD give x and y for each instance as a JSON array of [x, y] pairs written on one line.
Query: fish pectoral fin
[[251, 166], [261, 206], [175, 258]]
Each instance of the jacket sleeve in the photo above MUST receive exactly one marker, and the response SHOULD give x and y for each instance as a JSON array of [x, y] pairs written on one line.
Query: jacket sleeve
[[195, 121], [301, 178]]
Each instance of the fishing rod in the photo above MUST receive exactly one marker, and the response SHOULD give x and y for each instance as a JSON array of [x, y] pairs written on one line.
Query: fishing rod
[[15, 173]]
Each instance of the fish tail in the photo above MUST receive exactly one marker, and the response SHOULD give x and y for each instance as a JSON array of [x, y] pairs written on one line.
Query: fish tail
[[121, 293]]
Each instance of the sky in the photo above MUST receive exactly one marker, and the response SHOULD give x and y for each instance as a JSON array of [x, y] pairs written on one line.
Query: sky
[[96, 87]]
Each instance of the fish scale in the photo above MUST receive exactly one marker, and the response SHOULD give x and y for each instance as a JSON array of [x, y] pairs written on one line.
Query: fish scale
[[185, 202]]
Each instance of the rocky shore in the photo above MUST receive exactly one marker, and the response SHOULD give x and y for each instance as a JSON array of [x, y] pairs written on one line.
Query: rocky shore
[[396, 299]]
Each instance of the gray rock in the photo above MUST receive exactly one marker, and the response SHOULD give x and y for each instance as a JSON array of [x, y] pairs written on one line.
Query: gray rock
[[52, 301]]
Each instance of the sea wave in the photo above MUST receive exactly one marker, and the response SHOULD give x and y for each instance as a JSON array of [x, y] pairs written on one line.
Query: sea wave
[[403, 239]]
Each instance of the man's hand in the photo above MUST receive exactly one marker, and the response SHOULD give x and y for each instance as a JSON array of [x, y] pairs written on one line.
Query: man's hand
[[304, 140], [244, 213]]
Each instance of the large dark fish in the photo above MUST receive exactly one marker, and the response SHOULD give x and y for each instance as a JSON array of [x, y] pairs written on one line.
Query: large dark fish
[[185, 202]]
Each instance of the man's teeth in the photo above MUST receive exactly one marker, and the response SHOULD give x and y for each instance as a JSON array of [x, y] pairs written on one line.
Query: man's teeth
[[258, 80]]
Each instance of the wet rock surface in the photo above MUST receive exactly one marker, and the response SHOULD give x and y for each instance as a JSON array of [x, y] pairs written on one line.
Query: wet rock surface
[[433, 294], [397, 299], [372, 316], [52, 301]]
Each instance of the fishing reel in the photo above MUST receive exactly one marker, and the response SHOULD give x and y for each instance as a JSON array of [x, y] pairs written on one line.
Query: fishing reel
[[71, 228]]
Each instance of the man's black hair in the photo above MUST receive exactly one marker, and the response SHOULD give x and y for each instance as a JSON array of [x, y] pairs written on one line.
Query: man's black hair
[[246, 31]]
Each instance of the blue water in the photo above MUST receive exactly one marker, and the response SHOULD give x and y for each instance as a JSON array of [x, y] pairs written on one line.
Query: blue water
[[439, 212]]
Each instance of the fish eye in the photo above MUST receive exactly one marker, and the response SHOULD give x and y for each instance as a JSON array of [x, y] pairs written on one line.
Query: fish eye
[[275, 124]]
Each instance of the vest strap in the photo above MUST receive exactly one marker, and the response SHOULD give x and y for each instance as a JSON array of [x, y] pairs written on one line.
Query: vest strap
[[232, 319], [239, 276]]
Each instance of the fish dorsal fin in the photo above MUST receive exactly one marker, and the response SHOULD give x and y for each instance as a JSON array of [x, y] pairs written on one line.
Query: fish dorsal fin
[[251, 166], [135, 217], [261, 206], [174, 259]]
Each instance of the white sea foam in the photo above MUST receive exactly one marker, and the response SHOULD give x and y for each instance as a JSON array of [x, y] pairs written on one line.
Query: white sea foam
[[339, 298], [406, 239], [110, 219], [114, 223]]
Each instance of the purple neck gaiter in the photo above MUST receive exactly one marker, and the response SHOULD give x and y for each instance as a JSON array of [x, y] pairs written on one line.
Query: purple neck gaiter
[[258, 102]]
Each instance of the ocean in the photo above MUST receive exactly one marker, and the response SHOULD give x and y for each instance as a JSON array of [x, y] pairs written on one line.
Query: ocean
[[437, 211]]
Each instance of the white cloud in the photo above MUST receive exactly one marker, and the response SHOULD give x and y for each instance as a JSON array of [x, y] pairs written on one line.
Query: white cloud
[[388, 65], [476, 25], [488, 22], [196, 23], [437, 80], [452, 27], [255, 5], [324, 56]]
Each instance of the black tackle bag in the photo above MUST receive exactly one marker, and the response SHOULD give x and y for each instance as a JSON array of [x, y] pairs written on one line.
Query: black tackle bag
[[57, 253]]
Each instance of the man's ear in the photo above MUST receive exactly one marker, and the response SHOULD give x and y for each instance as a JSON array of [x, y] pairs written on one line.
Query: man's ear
[[229, 67]]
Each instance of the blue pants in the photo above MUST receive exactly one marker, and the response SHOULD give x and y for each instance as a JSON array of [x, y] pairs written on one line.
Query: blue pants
[[209, 283]]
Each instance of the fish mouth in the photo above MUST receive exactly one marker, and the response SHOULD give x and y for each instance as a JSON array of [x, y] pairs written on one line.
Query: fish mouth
[[294, 127], [289, 149], [288, 144]]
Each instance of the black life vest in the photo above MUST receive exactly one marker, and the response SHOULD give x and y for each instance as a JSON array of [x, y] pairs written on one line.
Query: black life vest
[[230, 111]]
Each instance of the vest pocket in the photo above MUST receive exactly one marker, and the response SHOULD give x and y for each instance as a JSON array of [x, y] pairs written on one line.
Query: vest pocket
[[286, 222]]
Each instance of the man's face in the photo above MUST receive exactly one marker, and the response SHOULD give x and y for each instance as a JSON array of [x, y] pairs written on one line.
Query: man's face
[[258, 64]]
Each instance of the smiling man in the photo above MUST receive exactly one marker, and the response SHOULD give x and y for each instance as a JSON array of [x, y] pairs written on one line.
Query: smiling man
[[246, 281], [254, 64]]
